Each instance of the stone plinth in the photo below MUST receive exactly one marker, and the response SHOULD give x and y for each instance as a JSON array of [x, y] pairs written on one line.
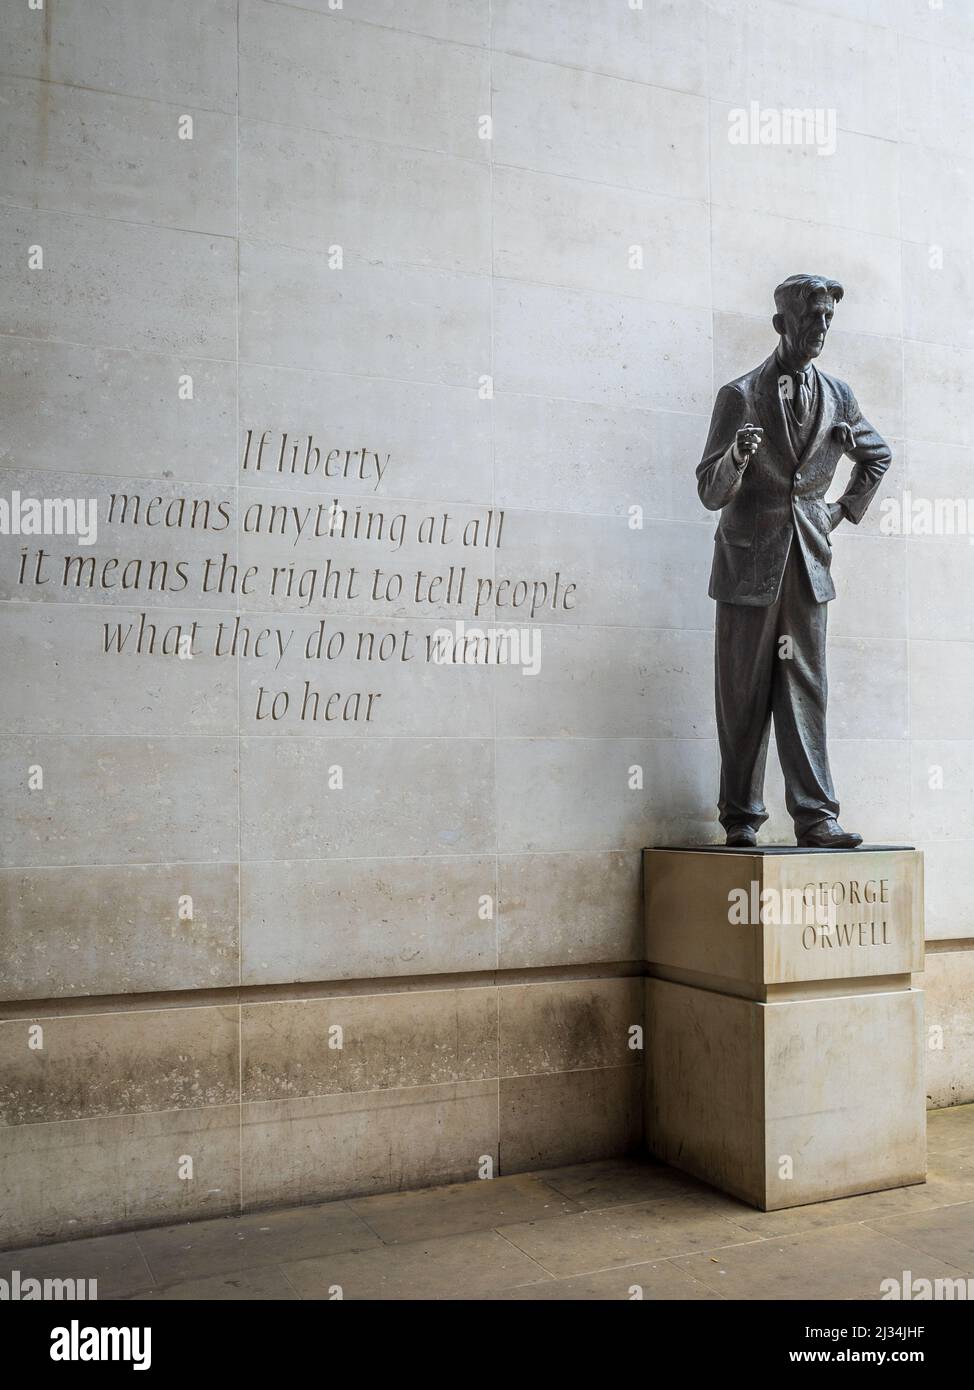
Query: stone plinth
[[784, 1039]]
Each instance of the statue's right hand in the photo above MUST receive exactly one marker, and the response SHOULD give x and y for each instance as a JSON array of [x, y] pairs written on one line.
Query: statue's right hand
[[748, 440]]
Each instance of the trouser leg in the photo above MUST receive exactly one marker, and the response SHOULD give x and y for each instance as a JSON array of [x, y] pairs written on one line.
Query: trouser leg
[[744, 669], [799, 698]]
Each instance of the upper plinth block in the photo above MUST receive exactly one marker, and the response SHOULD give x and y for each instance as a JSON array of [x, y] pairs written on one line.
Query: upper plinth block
[[741, 921]]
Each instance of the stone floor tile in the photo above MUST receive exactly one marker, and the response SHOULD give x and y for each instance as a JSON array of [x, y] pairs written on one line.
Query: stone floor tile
[[843, 1211], [461, 1207], [643, 1281], [268, 1284], [626, 1235], [617, 1180], [466, 1266], [947, 1233], [951, 1131], [116, 1262], [841, 1262], [947, 1191], [200, 1248]]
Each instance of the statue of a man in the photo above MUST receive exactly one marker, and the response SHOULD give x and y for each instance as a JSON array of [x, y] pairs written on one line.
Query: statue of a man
[[776, 437]]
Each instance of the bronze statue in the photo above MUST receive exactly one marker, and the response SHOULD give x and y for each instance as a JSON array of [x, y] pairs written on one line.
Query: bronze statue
[[776, 436]]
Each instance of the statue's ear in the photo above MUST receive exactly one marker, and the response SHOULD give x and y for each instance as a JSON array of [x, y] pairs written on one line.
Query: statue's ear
[[778, 324]]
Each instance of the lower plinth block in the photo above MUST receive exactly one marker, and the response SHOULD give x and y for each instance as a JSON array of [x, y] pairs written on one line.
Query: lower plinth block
[[784, 1039]]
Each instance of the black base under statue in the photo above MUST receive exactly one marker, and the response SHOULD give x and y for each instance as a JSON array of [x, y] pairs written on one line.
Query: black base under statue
[[779, 849]]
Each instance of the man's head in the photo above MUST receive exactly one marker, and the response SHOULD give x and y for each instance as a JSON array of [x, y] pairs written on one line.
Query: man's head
[[805, 305]]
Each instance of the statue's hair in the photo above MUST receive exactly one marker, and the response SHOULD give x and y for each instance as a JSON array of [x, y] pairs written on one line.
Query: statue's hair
[[802, 287]]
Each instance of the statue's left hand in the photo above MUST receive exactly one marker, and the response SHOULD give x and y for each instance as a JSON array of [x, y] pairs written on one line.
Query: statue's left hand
[[844, 436]]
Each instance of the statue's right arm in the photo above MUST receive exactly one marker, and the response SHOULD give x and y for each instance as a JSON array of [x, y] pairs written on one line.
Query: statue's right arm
[[718, 473]]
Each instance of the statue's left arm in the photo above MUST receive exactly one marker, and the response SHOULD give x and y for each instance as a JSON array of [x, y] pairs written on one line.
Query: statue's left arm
[[871, 456]]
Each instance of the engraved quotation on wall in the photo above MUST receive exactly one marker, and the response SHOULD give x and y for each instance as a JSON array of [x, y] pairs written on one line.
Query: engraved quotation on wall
[[275, 562]]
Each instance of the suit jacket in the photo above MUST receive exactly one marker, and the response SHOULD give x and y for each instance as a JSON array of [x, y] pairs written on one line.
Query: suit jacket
[[779, 496]]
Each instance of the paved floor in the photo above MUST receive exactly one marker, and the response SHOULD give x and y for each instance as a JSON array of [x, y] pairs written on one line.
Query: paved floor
[[612, 1229]]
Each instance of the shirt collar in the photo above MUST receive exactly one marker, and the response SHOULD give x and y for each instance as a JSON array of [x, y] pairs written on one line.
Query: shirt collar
[[785, 370]]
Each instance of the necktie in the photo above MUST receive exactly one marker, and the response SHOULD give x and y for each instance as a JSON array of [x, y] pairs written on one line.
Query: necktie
[[801, 399]]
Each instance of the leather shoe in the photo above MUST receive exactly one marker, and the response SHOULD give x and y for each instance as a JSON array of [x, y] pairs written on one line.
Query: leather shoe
[[828, 834], [741, 837]]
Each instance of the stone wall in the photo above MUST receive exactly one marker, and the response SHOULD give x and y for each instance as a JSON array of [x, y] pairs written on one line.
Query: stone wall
[[501, 254]]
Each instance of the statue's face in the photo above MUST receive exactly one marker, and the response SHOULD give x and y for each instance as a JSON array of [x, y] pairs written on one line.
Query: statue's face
[[804, 326]]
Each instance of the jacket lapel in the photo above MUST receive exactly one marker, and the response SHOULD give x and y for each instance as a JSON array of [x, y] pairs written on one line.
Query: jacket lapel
[[824, 416], [771, 411]]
